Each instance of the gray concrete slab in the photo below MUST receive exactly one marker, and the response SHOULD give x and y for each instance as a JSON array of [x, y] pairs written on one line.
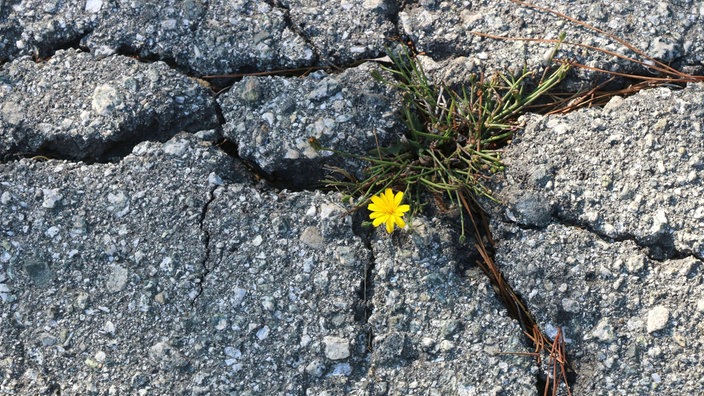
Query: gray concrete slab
[[164, 265]]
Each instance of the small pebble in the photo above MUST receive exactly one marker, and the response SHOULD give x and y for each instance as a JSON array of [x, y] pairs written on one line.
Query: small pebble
[[700, 305], [316, 368], [446, 346], [657, 318], [51, 198], [263, 333], [603, 331], [109, 327], [336, 348]]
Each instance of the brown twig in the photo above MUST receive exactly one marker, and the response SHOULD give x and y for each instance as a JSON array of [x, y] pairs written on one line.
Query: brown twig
[[680, 77], [556, 352], [580, 45], [621, 41], [668, 74]]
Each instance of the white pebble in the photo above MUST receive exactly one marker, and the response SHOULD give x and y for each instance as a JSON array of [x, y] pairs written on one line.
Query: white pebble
[[336, 348], [263, 333], [93, 6], [657, 318]]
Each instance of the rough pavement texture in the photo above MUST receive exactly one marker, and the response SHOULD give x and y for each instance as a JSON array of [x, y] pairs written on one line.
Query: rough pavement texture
[[166, 273], [603, 236], [633, 324], [344, 31], [667, 31], [224, 37], [75, 106], [202, 37], [162, 265], [38, 28], [271, 119], [650, 157], [431, 322], [101, 264]]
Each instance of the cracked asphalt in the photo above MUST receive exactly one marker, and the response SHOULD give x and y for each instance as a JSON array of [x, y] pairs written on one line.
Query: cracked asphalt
[[144, 249]]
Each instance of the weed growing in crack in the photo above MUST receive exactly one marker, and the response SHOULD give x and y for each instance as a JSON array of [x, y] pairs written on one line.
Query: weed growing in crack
[[454, 138], [453, 146]]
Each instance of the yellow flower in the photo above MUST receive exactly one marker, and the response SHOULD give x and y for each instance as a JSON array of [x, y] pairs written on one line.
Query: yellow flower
[[387, 208]]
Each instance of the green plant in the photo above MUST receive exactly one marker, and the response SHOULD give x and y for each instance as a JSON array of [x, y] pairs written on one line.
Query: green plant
[[454, 137], [452, 147]]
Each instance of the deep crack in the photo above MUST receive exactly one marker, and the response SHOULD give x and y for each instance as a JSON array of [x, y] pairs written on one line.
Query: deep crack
[[206, 242], [44, 54], [516, 307], [363, 306], [662, 247], [296, 29], [137, 54]]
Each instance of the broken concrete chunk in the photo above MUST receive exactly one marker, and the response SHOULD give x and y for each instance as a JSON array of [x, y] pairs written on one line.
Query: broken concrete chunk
[[90, 107], [214, 37], [349, 112], [638, 201]]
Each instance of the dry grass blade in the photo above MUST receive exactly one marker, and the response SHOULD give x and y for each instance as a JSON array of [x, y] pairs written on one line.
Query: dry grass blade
[[569, 43], [667, 75], [453, 137], [657, 65], [554, 349], [654, 81]]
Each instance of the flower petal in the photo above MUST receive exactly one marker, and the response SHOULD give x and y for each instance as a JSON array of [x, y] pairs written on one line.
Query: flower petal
[[377, 200], [389, 195], [381, 219], [374, 208], [400, 222], [398, 198], [390, 225], [403, 208], [374, 215]]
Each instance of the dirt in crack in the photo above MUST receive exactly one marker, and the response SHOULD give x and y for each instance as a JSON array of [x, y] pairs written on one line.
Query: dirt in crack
[[363, 307], [519, 311], [206, 243]]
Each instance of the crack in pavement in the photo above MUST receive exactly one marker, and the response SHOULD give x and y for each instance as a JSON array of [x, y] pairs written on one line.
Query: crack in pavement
[[206, 243], [296, 29], [47, 53], [363, 307], [661, 249]]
